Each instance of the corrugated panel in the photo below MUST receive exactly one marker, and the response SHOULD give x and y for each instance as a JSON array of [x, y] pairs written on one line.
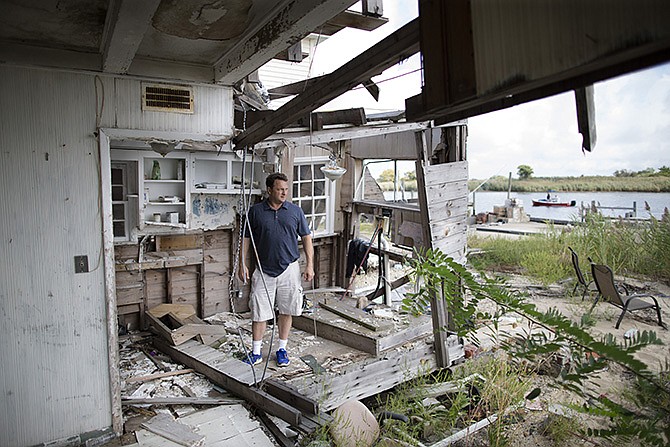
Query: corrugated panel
[[213, 110], [531, 39], [54, 381]]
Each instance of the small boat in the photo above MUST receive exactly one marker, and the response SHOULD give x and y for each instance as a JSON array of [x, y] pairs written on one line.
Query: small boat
[[552, 200]]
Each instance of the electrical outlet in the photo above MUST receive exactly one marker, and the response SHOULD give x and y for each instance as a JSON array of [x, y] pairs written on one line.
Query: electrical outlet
[[81, 264]]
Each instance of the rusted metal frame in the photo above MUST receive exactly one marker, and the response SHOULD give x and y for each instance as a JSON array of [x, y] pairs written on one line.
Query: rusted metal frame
[[394, 48]]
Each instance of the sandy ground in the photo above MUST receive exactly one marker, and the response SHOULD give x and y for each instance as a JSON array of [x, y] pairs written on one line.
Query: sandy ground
[[528, 426]]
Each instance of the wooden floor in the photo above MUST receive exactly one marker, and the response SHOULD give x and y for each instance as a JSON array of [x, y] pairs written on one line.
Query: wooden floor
[[358, 355]]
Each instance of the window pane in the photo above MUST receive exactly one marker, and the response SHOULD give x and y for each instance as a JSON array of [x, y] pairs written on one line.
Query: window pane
[[320, 206], [320, 224], [295, 190], [306, 189], [319, 187], [318, 173], [306, 206], [117, 176], [306, 172], [296, 173], [118, 211], [117, 193], [119, 229]]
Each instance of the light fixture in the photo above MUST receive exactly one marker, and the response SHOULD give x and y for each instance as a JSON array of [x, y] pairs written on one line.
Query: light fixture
[[332, 171], [162, 147]]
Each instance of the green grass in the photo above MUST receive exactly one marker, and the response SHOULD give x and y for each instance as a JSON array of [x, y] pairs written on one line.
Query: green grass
[[591, 183], [642, 249]]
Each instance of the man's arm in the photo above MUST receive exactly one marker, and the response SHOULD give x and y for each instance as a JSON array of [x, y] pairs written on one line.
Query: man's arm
[[243, 271], [308, 274]]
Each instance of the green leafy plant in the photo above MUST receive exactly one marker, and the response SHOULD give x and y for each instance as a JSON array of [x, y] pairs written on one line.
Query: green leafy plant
[[440, 277]]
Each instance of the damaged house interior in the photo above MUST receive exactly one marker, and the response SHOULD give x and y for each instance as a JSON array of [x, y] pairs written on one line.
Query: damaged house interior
[[135, 135]]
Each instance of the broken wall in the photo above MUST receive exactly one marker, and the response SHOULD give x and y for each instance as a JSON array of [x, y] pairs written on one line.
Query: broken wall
[[55, 375], [57, 383]]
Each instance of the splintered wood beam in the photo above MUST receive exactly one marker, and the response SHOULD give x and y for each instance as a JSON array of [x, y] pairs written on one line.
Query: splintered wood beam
[[294, 88], [348, 313], [256, 396], [158, 375], [586, 116], [178, 401], [287, 25], [396, 47]]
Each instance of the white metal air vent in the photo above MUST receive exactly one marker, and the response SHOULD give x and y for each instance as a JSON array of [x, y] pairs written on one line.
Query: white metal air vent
[[167, 98]]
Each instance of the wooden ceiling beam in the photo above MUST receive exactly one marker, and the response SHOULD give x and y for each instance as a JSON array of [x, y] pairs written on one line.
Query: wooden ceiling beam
[[125, 25], [288, 25], [396, 47]]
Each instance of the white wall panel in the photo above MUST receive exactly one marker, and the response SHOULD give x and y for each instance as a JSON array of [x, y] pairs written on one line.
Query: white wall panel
[[54, 378], [213, 110]]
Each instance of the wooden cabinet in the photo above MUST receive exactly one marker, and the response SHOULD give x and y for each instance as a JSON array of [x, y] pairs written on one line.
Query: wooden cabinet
[[165, 190], [221, 174], [179, 192]]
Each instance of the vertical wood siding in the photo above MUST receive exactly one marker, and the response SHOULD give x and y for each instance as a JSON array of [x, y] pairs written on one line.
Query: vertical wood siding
[[54, 381]]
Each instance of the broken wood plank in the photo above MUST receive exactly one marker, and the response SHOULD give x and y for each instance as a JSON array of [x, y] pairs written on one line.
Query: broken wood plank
[[291, 395], [155, 361], [420, 327], [401, 44], [279, 435], [158, 375], [394, 285], [366, 379], [178, 401], [358, 316], [165, 426], [344, 336], [180, 311], [220, 375]]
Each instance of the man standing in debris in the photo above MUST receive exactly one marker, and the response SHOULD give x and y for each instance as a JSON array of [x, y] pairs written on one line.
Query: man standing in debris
[[275, 226]]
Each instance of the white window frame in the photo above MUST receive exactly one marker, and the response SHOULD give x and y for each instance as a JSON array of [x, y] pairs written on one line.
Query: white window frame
[[123, 166], [329, 192]]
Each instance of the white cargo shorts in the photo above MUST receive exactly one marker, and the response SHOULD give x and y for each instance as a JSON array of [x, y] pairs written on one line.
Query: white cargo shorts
[[284, 291]]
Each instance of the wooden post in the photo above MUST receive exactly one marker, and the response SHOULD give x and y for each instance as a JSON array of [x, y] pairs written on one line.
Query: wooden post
[[437, 303]]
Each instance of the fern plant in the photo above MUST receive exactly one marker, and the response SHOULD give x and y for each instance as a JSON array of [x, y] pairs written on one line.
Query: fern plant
[[639, 416]]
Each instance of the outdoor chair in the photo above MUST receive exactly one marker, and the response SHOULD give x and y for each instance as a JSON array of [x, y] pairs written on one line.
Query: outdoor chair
[[581, 278], [604, 279]]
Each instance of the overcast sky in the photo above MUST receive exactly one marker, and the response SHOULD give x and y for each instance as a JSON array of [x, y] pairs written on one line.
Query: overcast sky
[[632, 114]]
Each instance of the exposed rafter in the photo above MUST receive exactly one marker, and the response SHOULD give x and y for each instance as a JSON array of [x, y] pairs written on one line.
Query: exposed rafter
[[286, 27], [398, 46], [125, 25]]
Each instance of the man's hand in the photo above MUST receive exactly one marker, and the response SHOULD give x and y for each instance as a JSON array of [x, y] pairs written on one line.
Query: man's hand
[[308, 274], [243, 273]]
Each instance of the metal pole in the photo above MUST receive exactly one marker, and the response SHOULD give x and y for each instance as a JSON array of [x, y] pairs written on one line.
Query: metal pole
[[509, 185]]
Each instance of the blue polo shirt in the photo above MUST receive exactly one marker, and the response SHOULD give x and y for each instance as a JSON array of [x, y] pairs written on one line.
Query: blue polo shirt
[[276, 234]]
